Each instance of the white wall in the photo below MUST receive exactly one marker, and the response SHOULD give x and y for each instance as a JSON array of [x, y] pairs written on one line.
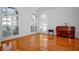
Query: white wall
[[59, 16], [25, 14]]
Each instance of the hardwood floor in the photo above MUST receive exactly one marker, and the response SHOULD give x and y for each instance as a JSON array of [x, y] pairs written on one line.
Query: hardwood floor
[[41, 42]]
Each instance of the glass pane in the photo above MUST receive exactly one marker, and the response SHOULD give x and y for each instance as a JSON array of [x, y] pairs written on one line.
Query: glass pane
[[6, 31], [15, 30], [34, 23], [43, 23], [6, 26], [14, 24]]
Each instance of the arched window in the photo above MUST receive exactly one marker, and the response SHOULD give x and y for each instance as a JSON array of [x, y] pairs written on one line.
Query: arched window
[[34, 22], [43, 23], [9, 21]]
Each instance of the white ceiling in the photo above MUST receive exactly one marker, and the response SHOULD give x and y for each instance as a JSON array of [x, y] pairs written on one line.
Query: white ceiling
[[45, 8]]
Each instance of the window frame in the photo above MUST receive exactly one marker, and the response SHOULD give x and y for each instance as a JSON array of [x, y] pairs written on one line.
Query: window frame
[[15, 15]]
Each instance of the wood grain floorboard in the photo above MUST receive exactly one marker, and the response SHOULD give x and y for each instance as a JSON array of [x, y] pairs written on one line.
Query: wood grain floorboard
[[42, 42]]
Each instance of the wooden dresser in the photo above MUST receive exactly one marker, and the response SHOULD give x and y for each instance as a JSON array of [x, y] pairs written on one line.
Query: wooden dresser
[[65, 31]]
